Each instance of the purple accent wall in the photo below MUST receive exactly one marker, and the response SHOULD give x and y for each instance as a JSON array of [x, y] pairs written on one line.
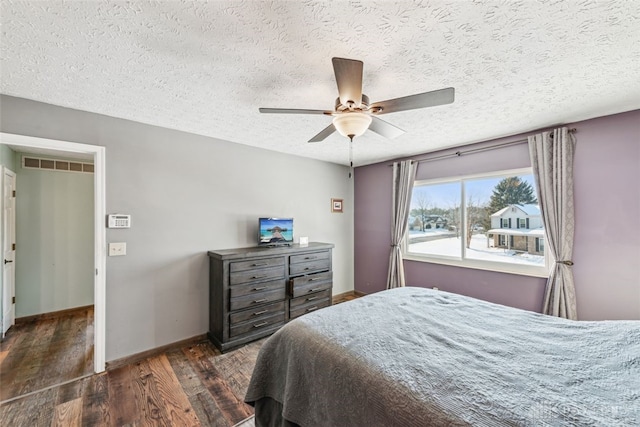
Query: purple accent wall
[[607, 208], [607, 240]]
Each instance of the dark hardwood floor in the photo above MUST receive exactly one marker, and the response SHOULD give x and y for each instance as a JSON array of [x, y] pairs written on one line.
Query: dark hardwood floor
[[190, 385], [348, 296], [44, 351]]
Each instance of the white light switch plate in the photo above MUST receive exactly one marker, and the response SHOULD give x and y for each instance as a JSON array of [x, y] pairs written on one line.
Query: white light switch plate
[[117, 249], [304, 241]]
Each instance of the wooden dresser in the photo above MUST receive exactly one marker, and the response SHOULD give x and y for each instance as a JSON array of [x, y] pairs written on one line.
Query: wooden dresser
[[254, 291]]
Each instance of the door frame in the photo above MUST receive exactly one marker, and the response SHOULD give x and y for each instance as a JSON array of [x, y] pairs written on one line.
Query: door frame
[[100, 260], [6, 171]]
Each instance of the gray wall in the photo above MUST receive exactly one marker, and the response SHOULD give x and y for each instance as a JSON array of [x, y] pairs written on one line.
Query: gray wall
[[8, 157], [188, 194], [54, 237]]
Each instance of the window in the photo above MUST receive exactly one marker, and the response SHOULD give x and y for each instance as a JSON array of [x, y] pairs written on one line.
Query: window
[[478, 222], [435, 218]]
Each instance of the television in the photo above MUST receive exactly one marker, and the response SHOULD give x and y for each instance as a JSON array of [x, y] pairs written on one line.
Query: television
[[275, 231]]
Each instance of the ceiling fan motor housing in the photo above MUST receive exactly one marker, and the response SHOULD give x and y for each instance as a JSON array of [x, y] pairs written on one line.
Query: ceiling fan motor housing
[[353, 105]]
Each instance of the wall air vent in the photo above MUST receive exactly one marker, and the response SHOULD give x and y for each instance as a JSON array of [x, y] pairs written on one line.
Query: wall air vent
[[56, 165]]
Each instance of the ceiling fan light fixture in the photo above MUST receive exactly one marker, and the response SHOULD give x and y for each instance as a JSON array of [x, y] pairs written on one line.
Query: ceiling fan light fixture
[[352, 124]]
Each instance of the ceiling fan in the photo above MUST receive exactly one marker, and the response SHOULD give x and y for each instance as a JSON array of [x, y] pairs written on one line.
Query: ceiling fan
[[353, 114]]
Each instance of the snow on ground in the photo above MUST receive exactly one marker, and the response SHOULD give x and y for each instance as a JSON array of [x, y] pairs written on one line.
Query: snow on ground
[[478, 250], [428, 232]]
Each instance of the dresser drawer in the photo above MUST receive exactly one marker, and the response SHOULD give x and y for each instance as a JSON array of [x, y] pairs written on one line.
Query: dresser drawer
[[257, 325], [309, 307], [256, 288], [257, 299], [257, 313], [310, 298], [308, 267], [313, 256], [308, 284], [309, 288], [256, 275], [255, 264]]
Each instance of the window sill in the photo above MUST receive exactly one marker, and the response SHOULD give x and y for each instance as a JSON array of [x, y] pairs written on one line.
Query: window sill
[[523, 270]]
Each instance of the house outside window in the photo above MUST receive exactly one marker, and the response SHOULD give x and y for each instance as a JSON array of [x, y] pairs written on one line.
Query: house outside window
[[460, 222]]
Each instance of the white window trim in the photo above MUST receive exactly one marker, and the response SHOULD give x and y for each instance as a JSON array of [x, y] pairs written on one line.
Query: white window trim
[[501, 267]]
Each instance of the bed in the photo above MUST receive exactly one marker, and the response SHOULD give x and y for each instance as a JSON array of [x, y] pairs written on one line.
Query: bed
[[420, 357]]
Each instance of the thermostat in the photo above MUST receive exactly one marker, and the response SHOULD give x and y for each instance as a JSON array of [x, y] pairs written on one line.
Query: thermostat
[[119, 221]]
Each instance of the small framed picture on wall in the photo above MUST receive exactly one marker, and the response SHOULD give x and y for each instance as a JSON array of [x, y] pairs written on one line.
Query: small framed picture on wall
[[336, 205]]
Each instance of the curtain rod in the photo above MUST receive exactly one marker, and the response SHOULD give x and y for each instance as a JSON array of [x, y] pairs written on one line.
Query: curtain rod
[[474, 150]]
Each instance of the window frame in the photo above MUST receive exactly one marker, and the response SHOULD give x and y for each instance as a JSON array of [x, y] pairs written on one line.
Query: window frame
[[462, 261]]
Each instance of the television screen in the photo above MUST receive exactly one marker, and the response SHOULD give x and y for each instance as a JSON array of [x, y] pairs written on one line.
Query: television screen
[[275, 231]]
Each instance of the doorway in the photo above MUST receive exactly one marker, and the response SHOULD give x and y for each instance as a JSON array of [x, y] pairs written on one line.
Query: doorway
[[26, 143]]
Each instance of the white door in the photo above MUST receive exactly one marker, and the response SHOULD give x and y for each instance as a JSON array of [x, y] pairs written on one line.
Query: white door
[[8, 249]]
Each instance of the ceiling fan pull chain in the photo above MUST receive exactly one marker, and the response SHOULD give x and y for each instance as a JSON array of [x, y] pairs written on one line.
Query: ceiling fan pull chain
[[350, 157]]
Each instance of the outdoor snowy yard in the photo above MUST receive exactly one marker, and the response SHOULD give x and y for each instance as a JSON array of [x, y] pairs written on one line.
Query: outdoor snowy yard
[[451, 247]]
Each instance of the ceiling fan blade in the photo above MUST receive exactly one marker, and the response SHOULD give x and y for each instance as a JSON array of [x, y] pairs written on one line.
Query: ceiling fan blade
[[349, 78], [294, 111], [385, 129], [324, 133], [412, 102]]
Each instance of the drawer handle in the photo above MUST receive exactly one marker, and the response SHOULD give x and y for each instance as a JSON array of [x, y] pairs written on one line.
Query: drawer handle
[[260, 325], [315, 307], [310, 257], [260, 288], [312, 298], [258, 277], [308, 268], [313, 279], [259, 265], [314, 290], [260, 300], [258, 313]]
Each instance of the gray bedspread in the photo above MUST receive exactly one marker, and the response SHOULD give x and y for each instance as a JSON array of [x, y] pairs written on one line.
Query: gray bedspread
[[418, 357]]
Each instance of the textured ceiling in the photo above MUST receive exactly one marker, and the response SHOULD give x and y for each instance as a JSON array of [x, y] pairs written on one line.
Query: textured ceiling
[[206, 67]]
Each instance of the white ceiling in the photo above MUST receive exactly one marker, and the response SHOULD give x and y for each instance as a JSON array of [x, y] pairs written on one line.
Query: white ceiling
[[206, 67]]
